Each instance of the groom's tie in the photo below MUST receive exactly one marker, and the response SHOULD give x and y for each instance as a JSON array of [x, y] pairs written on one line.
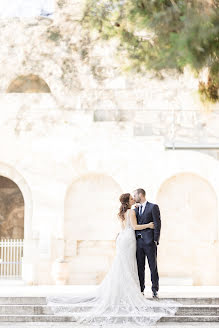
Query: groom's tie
[[140, 212]]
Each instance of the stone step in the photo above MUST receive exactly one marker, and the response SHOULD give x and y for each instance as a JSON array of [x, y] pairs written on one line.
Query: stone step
[[13, 300], [40, 300], [35, 318], [200, 310], [35, 309], [55, 318], [184, 310], [190, 318], [195, 300], [25, 310], [75, 325]]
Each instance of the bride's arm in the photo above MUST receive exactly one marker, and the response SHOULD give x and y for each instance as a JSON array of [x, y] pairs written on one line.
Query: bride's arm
[[136, 226]]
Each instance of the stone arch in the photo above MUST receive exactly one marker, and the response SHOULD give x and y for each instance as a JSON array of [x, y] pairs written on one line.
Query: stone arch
[[188, 206], [13, 175], [30, 83], [11, 210], [91, 226]]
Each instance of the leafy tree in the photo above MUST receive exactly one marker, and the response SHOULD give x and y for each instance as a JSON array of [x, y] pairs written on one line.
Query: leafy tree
[[162, 34]]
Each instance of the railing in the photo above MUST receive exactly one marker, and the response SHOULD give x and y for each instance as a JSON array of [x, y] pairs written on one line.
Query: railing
[[11, 253]]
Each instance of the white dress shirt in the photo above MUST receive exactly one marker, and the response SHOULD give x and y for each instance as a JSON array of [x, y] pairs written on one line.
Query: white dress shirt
[[143, 208], [143, 204]]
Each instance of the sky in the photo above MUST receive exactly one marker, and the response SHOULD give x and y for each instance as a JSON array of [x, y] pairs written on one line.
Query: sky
[[26, 8]]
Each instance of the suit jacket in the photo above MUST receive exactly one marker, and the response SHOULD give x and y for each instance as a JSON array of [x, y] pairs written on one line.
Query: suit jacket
[[151, 214]]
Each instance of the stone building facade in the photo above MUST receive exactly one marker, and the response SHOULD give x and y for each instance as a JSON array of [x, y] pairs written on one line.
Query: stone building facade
[[76, 132]]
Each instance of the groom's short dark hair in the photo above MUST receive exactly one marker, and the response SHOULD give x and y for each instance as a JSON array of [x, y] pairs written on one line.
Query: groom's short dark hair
[[141, 191]]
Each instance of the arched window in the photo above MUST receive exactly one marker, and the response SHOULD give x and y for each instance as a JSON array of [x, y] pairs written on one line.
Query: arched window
[[28, 84]]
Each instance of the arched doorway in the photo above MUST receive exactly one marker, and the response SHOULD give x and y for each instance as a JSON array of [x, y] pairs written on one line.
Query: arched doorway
[[11, 229], [188, 207], [11, 210], [91, 226], [12, 179]]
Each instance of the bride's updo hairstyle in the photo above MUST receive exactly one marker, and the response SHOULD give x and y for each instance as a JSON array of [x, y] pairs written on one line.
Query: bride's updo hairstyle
[[124, 200]]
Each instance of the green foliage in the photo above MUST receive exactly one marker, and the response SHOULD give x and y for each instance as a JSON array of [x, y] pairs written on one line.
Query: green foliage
[[160, 34], [54, 34], [208, 91]]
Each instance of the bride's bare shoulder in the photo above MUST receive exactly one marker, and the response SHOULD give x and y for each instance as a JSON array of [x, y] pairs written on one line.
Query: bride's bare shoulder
[[131, 212]]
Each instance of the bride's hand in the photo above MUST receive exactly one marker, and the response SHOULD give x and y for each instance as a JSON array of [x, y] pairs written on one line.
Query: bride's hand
[[151, 225], [136, 205]]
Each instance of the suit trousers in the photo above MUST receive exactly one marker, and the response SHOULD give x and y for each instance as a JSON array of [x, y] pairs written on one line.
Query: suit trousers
[[150, 251]]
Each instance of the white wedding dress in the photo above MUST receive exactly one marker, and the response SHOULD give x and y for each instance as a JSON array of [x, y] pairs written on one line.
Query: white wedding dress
[[117, 301]]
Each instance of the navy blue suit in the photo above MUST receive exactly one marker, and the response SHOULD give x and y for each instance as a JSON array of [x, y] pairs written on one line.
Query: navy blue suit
[[146, 246]]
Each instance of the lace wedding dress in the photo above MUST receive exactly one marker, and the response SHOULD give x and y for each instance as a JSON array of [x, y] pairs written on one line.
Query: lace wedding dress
[[117, 301]]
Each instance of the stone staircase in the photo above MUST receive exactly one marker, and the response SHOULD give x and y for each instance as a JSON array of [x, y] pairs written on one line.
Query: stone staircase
[[34, 309]]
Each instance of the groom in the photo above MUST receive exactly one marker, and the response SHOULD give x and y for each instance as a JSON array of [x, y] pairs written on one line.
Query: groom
[[147, 239]]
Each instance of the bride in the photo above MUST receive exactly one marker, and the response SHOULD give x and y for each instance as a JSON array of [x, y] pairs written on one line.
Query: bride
[[117, 300]]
